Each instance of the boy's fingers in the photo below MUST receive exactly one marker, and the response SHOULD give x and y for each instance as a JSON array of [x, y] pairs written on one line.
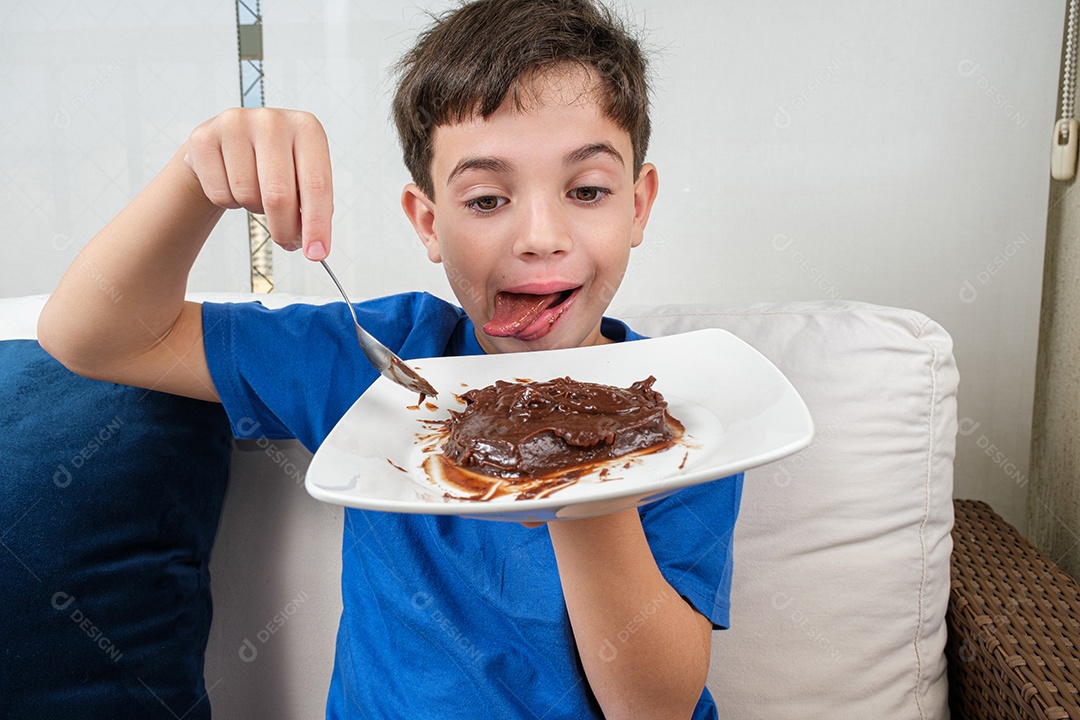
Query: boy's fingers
[[209, 167], [277, 186], [239, 157], [311, 154]]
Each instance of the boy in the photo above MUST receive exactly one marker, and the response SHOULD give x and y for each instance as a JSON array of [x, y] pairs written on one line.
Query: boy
[[524, 125]]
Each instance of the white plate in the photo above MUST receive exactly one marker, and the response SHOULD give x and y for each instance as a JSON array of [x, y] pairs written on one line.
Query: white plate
[[739, 411]]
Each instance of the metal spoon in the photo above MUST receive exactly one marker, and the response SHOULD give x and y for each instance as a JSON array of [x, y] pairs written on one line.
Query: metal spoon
[[384, 360]]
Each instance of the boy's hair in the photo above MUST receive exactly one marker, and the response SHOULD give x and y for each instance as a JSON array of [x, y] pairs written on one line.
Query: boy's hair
[[467, 62]]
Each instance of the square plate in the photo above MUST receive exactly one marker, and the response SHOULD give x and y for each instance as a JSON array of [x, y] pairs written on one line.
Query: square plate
[[738, 409]]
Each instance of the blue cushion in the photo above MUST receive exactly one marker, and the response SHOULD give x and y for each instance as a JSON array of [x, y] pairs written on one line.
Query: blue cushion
[[109, 500]]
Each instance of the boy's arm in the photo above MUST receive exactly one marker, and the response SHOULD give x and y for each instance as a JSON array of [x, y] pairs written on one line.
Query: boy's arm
[[119, 312], [610, 583]]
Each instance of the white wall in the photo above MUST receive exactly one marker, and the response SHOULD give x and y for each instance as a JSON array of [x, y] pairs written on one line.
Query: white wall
[[874, 151], [96, 97]]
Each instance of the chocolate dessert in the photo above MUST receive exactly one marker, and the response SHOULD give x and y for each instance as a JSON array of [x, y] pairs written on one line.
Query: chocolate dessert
[[538, 429]]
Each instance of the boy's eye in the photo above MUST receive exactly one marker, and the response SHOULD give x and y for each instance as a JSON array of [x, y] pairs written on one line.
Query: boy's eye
[[589, 194], [487, 203]]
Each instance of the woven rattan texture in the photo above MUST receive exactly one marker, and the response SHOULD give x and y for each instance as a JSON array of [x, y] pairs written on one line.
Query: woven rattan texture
[[1014, 633]]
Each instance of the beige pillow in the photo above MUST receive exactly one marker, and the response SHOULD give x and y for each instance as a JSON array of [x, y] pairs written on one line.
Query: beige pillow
[[841, 576]]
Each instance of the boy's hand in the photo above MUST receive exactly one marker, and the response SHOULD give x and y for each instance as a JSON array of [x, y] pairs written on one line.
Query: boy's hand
[[273, 162]]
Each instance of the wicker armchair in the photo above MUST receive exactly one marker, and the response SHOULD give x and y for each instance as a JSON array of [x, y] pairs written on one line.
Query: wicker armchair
[[1014, 625]]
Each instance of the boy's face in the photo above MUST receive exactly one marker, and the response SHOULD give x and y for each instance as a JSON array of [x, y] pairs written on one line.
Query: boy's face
[[535, 215]]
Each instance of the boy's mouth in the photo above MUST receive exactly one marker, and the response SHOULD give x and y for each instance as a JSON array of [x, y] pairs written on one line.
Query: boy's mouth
[[527, 316]]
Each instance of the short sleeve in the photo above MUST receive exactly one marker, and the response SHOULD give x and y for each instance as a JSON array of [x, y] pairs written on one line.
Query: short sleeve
[[690, 534], [295, 371]]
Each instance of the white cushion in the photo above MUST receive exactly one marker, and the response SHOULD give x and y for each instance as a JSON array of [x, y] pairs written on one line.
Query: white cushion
[[841, 577], [18, 317]]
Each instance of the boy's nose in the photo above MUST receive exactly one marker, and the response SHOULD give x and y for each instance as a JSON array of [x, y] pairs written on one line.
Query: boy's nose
[[543, 231]]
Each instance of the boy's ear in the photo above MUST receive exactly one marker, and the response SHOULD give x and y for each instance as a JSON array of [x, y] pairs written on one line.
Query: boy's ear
[[421, 213], [645, 189]]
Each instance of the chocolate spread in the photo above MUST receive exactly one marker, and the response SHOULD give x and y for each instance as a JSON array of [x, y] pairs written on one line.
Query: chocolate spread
[[538, 429]]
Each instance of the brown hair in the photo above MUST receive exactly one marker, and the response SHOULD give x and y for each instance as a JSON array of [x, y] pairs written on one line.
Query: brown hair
[[472, 57]]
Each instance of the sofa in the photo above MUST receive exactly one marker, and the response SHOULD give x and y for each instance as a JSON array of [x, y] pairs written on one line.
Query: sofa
[[861, 588]]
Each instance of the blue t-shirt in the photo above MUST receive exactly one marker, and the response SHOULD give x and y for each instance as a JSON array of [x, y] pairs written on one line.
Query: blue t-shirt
[[444, 616]]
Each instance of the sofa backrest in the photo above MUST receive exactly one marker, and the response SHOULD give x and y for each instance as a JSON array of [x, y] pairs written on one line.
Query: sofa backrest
[[841, 575]]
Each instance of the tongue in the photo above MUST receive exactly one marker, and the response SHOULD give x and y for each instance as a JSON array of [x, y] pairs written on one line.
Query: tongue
[[516, 311]]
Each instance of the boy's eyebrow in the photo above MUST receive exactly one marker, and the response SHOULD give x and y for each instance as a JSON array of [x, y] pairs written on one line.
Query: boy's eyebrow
[[491, 164], [592, 150]]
